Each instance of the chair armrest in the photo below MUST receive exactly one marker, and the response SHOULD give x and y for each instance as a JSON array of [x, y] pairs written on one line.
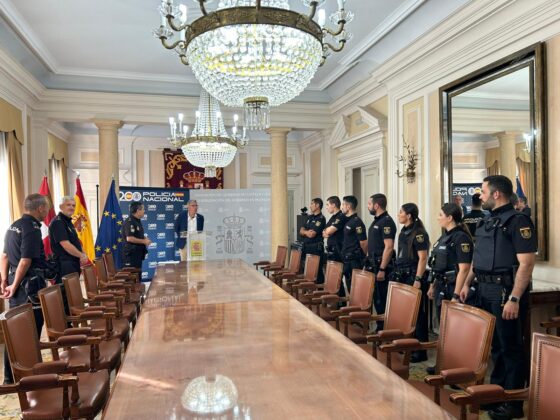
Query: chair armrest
[[347, 309], [286, 276], [36, 382], [407, 344], [306, 285], [488, 394], [79, 330], [50, 367], [261, 263], [326, 299], [360, 316], [451, 377], [386, 335]]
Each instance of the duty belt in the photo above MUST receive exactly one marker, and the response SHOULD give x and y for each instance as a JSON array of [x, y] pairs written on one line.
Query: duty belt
[[445, 278], [505, 279]]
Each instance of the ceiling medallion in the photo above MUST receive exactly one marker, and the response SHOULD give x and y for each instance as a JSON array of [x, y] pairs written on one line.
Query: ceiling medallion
[[209, 145], [254, 54]]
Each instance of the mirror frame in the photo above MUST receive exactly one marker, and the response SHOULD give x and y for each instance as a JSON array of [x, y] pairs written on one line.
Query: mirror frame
[[533, 57]]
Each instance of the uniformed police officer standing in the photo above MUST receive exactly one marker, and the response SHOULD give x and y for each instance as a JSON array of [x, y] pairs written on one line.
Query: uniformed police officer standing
[[354, 244], [66, 246], [23, 263], [334, 230], [451, 257], [381, 254], [503, 261], [472, 218], [410, 267], [312, 233], [136, 244]]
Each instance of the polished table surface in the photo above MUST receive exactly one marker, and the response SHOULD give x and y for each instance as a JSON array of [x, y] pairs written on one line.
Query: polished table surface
[[224, 327]]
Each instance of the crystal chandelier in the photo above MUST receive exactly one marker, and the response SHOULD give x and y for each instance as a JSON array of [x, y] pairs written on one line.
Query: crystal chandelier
[[253, 53], [209, 145]]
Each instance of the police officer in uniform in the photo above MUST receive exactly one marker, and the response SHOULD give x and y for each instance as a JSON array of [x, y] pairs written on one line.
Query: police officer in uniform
[[451, 257], [503, 261], [312, 234], [354, 244], [381, 250], [136, 244], [472, 218], [410, 267], [23, 264], [334, 230]]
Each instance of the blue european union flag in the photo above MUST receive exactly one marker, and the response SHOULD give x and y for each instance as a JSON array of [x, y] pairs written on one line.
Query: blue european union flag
[[109, 234], [519, 191]]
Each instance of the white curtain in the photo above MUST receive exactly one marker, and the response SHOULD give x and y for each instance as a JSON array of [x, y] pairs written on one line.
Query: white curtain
[[57, 182], [4, 188]]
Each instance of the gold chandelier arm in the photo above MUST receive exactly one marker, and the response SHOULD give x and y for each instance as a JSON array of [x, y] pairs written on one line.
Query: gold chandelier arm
[[323, 60], [340, 45], [202, 7], [170, 21], [338, 31], [170, 46], [184, 60], [258, 5], [313, 10]]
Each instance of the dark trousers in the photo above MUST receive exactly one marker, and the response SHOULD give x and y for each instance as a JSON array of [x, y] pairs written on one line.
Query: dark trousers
[[421, 332], [66, 267], [8, 375], [380, 293], [443, 291], [507, 344], [349, 265]]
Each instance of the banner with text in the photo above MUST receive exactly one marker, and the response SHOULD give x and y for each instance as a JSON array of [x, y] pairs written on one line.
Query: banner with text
[[162, 206], [237, 223], [466, 191]]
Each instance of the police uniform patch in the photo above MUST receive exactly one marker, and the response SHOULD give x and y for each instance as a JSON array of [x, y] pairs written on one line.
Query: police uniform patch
[[359, 229], [387, 230], [526, 232], [132, 229], [317, 223], [335, 222], [420, 238], [466, 248]]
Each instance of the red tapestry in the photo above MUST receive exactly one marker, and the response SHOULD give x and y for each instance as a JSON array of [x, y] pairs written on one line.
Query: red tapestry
[[181, 174]]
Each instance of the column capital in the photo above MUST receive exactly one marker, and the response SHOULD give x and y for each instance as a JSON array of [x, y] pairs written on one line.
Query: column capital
[[278, 130], [108, 124], [509, 135]]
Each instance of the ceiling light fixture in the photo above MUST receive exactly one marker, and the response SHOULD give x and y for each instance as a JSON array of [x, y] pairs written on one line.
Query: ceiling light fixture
[[253, 53]]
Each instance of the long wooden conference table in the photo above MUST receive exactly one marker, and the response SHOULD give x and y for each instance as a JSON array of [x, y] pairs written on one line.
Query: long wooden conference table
[[217, 339]]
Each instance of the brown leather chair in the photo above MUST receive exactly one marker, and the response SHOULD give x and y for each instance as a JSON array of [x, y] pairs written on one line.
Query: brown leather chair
[[56, 323], [94, 292], [310, 273], [270, 270], [77, 304], [127, 273], [90, 393], [542, 393], [310, 293], [107, 282], [361, 298], [462, 354], [293, 268], [281, 252]]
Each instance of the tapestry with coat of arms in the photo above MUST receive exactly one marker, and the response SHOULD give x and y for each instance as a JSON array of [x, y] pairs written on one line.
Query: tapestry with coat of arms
[[179, 173]]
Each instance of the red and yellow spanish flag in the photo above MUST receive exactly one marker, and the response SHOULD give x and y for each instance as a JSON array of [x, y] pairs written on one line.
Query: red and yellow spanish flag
[[82, 222]]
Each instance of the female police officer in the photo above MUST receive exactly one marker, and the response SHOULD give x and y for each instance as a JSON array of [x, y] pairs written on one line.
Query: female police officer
[[410, 266], [451, 257]]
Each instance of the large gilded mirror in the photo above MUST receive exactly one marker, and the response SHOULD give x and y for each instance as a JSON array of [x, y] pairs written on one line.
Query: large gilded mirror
[[493, 122]]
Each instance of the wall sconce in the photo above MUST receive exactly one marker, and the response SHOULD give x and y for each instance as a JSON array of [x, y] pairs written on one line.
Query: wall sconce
[[409, 158]]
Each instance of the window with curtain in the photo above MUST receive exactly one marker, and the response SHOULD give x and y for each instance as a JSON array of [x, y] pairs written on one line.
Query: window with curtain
[[4, 188], [57, 187]]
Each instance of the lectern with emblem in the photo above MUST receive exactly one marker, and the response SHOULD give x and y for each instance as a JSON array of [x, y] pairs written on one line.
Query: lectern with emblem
[[196, 246]]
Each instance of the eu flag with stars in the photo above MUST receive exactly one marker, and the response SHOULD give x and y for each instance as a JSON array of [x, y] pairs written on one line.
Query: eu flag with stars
[[109, 234]]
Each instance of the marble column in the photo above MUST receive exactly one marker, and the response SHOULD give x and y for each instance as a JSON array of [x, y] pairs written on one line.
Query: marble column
[[279, 188], [508, 154], [108, 156]]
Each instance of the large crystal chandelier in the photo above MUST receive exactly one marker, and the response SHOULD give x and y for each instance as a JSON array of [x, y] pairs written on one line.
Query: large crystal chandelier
[[253, 53], [209, 145]]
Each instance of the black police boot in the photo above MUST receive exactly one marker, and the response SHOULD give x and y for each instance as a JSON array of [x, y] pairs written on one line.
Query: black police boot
[[506, 412], [418, 356], [431, 370]]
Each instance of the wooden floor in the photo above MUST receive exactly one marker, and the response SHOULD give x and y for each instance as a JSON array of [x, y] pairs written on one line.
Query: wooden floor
[[222, 329]]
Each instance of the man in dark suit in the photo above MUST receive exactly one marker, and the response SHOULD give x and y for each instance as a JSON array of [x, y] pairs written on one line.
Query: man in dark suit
[[187, 221], [523, 206]]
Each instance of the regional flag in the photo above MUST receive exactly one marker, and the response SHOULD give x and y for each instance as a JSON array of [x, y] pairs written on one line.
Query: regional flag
[[109, 235], [82, 222], [44, 190]]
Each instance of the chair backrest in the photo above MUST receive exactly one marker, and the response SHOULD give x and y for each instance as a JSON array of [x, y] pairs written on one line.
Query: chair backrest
[[465, 337], [90, 279], [333, 277], [101, 268], [73, 290], [295, 261], [109, 263], [545, 377], [311, 269], [281, 253], [53, 310], [361, 290], [403, 304], [20, 334]]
